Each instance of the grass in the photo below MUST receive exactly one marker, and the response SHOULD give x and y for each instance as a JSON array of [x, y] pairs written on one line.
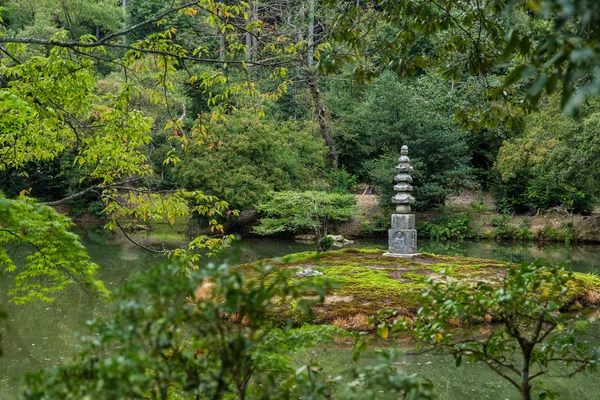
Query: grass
[[368, 281]]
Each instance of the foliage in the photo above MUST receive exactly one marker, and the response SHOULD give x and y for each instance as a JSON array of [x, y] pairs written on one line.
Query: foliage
[[524, 233], [170, 338], [535, 328], [371, 132], [55, 257], [340, 180], [244, 157], [450, 226], [555, 163], [503, 228], [326, 243], [295, 211], [545, 44]]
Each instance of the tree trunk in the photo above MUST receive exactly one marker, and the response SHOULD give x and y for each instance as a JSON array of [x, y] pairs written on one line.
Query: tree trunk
[[311, 32], [321, 117], [222, 47], [124, 20], [251, 41], [525, 382]]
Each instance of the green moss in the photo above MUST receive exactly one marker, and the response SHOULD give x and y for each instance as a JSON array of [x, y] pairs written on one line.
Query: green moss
[[367, 281]]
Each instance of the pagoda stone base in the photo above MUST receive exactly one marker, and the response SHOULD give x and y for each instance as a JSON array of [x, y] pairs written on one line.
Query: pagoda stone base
[[402, 238]]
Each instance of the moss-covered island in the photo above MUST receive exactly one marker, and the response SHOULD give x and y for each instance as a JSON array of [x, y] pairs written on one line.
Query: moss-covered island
[[368, 281]]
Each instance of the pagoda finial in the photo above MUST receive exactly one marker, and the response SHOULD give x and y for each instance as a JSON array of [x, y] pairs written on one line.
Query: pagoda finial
[[403, 199]]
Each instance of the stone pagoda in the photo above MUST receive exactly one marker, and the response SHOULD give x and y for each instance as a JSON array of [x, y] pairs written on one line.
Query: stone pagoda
[[402, 238]]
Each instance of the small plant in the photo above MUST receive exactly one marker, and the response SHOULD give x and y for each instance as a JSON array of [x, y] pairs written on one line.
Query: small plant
[[551, 233], [524, 234], [479, 207], [503, 229], [450, 226], [326, 243], [569, 233]]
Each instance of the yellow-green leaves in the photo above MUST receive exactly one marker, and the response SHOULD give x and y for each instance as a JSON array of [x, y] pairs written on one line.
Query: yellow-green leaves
[[54, 257]]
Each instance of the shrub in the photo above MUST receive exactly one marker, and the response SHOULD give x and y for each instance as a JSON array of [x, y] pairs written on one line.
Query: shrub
[[524, 233], [503, 229], [450, 226], [326, 243], [296, 211], [340, 181]]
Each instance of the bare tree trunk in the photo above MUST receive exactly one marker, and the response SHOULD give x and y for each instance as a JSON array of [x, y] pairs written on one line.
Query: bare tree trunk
[[222, 48], [251, 42], [254, 18], [125, 19], [321, 116], [311, 32]]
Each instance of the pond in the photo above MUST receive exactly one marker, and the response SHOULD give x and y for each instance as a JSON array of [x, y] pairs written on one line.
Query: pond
[[41, 335]]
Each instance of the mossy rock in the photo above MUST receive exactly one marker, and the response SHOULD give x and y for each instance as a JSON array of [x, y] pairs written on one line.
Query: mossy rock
[[368, 281]]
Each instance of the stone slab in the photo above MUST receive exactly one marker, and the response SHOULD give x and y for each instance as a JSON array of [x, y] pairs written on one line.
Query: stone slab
[[403, 221], [402, 241], [398, 255]]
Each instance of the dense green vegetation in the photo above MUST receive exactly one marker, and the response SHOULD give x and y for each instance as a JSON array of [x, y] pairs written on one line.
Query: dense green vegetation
[[166, 112]]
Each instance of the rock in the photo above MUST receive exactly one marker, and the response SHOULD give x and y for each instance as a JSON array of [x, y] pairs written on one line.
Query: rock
[[307, 273], [336, 238], [305, 238], [339, 240]]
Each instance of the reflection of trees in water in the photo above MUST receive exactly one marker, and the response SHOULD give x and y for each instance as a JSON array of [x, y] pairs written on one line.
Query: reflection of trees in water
[[581, 258]]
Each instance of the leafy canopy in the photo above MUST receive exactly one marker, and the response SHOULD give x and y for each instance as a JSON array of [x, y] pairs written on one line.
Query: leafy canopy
[[244, 157]]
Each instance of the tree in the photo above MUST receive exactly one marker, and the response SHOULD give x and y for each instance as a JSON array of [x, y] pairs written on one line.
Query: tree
[[371, 129], [295, 211], [554, 163], [52, 110], [535, 329], [244, 157], [57, 257]]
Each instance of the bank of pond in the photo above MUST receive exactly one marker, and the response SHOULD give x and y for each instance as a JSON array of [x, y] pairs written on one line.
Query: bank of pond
[[42, 335]]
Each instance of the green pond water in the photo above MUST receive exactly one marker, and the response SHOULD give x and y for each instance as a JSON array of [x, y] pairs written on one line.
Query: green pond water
[[40, 335]]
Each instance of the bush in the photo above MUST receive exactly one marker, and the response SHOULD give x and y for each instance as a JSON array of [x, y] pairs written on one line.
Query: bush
[[297, 211], [340, 181], [326, 243], [450, 226], [244, 158], [503, 229]]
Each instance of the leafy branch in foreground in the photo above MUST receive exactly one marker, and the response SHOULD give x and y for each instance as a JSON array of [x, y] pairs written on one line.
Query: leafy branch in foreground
[[537, 325], [55, 256], [209, 334]]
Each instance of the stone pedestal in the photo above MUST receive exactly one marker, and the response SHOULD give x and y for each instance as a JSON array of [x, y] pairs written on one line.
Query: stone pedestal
[[402, 238]]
